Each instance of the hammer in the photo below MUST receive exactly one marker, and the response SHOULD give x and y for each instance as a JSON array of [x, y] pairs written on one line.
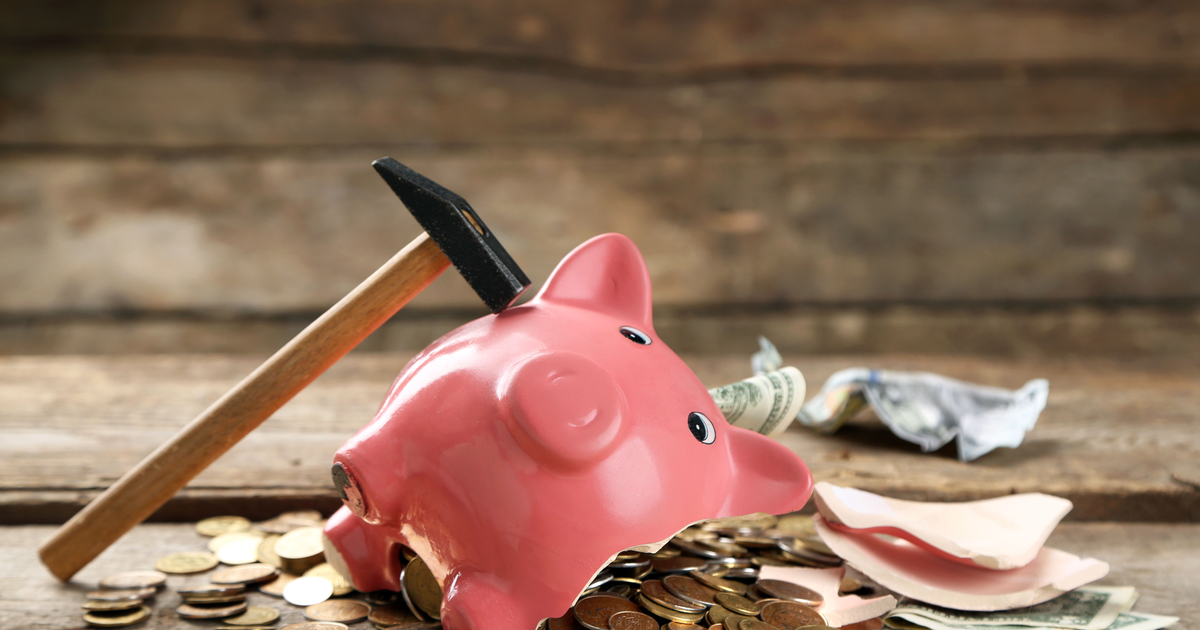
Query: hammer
[[453, 234]]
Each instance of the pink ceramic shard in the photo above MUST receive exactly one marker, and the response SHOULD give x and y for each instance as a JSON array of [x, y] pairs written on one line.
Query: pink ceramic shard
[[1001, 533], [909, 570], [838, 610], [519, 453]]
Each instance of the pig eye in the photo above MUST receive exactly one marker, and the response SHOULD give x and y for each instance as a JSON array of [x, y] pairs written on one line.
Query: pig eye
[[635, 335], [701, 427]]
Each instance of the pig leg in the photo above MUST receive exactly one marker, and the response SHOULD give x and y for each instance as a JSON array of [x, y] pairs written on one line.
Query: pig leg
[[475, 601]]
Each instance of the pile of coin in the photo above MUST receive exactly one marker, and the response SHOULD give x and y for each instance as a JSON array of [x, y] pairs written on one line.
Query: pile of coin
[[705, 577]]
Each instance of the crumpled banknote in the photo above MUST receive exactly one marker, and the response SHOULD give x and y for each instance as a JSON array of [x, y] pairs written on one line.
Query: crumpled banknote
[[929, 409], [926, 409]]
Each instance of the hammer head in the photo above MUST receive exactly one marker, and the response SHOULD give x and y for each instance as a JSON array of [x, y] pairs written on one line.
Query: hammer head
[[459, 232]]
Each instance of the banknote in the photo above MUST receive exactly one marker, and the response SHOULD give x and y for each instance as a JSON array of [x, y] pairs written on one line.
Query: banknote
[[930, 410], [1085, 608], [767, 359], [766, 403]]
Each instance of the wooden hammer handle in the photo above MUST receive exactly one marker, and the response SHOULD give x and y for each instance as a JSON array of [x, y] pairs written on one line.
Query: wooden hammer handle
[[164, 472]]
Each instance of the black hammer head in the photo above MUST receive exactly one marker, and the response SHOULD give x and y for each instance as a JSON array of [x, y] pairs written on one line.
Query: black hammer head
[[464, 238]]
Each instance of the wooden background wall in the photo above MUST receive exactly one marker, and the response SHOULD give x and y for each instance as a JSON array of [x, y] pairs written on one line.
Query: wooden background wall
[[989, 176]]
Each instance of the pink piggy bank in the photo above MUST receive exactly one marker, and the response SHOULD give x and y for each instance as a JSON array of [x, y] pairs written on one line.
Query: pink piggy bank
[[519, 453]]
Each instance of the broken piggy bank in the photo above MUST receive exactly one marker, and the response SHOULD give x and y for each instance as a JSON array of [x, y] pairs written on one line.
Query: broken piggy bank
[[519, 453]]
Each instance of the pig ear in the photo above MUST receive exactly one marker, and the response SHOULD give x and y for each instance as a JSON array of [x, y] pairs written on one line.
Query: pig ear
[[606, 274], [563, 409]]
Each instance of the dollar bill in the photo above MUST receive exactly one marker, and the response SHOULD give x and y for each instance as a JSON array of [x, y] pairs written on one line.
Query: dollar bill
[[766, 403], [930, 410], [767, 359], [1125, 621], [1085, 608]]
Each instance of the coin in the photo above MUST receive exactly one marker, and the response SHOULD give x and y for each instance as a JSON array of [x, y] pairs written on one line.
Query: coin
[[791, 615], [275, 587], [342, 610], [632, 620], [754, 624], [215, 599], [254, 616], [112, 605], [869, 624], [675, 625], [217, 542], [391, 615], [667, 613], [220, 611], [218, 525], [134, 579], [676, 564], [123, 593], [849, 585], [306, 591], [593, 612], [341, 586], [245, 574], [714, 582], [690, 590], [788, 590], [300, 543], [266, 551], [738, 604], [724, 548], [317, 625], [212, 590], [186, 562], [116, 620], [421, 588], [656, 592], [721, 615], [694, 548], [239, 551]]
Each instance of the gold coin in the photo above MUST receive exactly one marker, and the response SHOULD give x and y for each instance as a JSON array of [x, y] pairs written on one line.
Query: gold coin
[[790, 591], [186, 562], [134, 579], [796, 525], [241, 551], [215, 599], [632, 620], [306, 591], [123, 593], [849, 585], [275, 587], [254, 616], [212, 590], [675, 625], [189, 611], [720, 614], [217, 542], [300, 544], [757, 521], [245, 574], [341, 586], [116, 620], [754, 624], [667, 613], [218, 525], [112, 605], [676, 564], [791, 615], [421, 588], [318, 625], [715, 582], [738, 604], [266, 551], [341, 610]]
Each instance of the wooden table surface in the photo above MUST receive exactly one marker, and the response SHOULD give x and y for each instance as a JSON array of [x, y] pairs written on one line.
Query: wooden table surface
[[1120, 440]]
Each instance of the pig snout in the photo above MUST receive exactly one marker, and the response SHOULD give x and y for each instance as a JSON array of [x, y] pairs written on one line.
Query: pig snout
[[350, 490]]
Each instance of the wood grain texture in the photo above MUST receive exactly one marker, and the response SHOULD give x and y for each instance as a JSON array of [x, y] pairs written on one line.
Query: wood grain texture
[[1159, 560], [671, 34], [158, 477], [1109, 439], [172, 100], [746, 225]]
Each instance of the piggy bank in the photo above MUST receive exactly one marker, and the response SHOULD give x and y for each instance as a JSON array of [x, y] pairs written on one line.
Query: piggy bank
[[519, 453]]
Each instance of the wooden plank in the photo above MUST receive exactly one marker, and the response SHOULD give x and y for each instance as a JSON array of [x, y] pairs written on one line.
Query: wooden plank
[[175, 100], [1110, 439], [718, 225], [1159, 560], [631, 34], [1163, 331]]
